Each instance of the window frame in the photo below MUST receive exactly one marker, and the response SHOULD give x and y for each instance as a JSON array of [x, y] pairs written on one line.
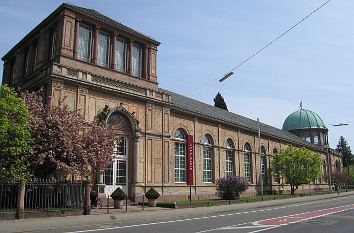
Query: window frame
[[140, 68], [181, 145], [207, 160], [247, 165], [276, 177], [229, 158], [116, 67], [107, 36], [82, 25]]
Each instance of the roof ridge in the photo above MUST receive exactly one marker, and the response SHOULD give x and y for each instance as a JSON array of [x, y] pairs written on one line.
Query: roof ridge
[[99, 16], [197, 107]]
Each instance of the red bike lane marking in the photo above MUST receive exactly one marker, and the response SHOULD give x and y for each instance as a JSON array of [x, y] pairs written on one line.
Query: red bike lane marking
[[285, 220]]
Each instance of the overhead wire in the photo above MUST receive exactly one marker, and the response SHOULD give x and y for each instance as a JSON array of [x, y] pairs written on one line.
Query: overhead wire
[[278, 37], [230, 73]]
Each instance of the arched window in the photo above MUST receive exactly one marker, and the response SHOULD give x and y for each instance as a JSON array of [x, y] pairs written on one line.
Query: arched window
[[180, 156], [276, 176], [207, 160], [263, 162], [247, 161], [229, 157]]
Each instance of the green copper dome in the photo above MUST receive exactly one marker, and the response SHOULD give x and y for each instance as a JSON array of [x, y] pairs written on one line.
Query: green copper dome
[[303, 119]]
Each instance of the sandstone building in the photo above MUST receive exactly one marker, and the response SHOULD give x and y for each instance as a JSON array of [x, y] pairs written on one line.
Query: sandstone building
[[99, 64]]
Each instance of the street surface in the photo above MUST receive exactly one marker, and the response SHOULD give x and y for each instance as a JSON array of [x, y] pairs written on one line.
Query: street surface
[[331, 213]]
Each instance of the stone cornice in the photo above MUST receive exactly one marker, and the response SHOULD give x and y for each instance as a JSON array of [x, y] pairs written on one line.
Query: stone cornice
[[106, 82]]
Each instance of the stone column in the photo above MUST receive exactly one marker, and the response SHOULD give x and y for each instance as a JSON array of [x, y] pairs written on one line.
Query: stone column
[[76, 39], [95, 46], [129, 57], [113, 51], [136, 158]]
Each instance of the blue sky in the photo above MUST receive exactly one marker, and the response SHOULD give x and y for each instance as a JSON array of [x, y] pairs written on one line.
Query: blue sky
[[202, 40]]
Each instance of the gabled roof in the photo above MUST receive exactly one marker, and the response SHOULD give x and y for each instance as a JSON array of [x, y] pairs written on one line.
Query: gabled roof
[[203, 110]]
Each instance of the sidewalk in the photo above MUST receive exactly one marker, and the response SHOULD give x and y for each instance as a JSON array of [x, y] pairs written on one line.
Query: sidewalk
[[100, 217]]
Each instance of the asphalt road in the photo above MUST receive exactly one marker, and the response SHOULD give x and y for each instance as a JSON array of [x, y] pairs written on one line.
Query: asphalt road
[[324, 215]]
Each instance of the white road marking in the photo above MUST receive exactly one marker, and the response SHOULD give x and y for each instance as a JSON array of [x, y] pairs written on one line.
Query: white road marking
[[198, 218]]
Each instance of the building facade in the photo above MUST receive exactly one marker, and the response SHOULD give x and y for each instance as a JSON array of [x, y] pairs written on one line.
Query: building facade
[[96, 64]]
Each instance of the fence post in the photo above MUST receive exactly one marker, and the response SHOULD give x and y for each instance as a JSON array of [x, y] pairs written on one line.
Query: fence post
[[20, 201], [87, 202]]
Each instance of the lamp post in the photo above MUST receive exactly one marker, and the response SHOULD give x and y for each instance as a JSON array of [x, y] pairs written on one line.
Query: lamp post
[[260, 155], [329, 158], [329, 170]]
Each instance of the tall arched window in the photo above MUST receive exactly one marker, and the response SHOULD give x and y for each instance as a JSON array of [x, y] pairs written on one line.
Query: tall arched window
[[276, 176], [247, 161], [207, 160], [180, 156], [229, 157], [263, 162]]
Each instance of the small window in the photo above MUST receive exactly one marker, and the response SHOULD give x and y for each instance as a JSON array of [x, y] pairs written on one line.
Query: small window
[[34, 55], [103, 49], [137, 60], [26, 62], [12, 71], [316, 139], [85, 38], [121, 55], [53, 44]]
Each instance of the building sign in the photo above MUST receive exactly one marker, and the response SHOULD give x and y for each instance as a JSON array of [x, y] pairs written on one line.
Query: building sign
[[190, 160]]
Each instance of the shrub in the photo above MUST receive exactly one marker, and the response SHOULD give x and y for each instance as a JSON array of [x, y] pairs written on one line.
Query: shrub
[[118, 194], [152, 194], [230, 187]]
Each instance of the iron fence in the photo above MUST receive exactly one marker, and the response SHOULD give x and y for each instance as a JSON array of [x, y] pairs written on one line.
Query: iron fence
[[43, 194]]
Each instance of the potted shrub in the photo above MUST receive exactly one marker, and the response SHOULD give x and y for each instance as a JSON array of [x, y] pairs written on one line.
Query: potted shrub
[[152, 196], [118, 196]]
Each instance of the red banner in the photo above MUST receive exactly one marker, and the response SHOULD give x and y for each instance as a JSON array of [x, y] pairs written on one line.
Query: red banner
[[190, 166]]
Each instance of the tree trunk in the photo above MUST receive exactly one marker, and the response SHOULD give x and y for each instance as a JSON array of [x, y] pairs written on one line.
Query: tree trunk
[[20, 201], [87, 201], [292, 189]]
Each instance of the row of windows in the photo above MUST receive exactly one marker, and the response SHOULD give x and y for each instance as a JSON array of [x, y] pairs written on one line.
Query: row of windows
[[30, 57], [85, 51], [180, 159]]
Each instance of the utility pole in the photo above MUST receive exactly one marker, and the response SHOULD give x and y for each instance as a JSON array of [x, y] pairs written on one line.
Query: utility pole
[[260, 155]]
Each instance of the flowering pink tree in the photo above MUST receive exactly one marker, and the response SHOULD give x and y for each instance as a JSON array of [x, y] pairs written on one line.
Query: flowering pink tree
[[97, 148], [63, 142]]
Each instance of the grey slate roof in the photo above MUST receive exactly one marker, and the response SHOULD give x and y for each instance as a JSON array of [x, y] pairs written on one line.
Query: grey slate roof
[[203, 110], [97, 15]]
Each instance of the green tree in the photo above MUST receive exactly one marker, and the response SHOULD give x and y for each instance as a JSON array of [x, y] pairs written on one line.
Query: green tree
[[299, 166], [15, 138], [219, 102], [348, 158]]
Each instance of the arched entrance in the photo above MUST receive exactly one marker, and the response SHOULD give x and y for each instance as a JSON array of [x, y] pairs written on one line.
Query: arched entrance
[[121, 171]]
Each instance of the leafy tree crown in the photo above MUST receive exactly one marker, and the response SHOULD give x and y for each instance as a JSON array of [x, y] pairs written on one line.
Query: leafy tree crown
[[219, 102]]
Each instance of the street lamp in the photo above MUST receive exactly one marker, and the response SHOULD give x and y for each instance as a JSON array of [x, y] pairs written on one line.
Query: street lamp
[[329, 159]]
